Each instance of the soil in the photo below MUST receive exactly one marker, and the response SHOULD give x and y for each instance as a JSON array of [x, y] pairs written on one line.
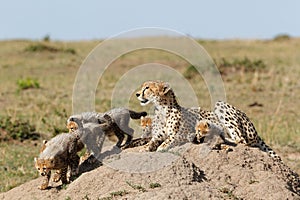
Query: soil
[[187, 172]]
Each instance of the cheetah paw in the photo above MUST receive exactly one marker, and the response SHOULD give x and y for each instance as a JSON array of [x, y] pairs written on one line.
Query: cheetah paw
[[56, 177], [43, 186]]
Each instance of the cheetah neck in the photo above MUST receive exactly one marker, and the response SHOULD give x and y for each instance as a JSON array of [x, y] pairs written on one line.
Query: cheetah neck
[[168, 102]]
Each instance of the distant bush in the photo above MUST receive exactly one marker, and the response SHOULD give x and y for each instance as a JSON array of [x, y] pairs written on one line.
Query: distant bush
[[70, 50], [190, 72], [17, 129], [46, 38], [244, 64], [281, 37], [27, 83], [58, 130], [40, 47]]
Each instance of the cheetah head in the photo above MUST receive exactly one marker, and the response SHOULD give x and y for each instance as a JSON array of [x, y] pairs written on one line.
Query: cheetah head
[[152, 91], [72, 126], [44, 166], [202, 128], [146, 122]]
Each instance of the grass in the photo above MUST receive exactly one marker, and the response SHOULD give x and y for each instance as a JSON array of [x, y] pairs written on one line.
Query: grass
[[229, 193], [114, 195], [154, 185], [27, 83], [52, 66], [41, 47], [136, 187], [16, 161], [17, 129]]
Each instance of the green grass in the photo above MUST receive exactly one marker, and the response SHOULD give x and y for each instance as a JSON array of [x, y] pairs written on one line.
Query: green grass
[[154, 185], [40, 47], [119, 193], [114, 195], [16, 163], [17, 129], [136, 187], [229, 193], [48, 69], [27, 83]]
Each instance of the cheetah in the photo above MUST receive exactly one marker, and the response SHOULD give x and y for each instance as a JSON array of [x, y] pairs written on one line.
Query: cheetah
[[175, 124], [210, 133], [240, 128], [59, 153], [91, 134], [120, 118], [172, 124], [146, 124]]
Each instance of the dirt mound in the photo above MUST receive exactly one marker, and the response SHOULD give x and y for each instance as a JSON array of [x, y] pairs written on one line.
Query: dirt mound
[[188, 172]]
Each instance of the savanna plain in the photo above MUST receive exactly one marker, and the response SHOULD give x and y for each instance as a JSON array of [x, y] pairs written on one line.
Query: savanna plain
[[261, 77]]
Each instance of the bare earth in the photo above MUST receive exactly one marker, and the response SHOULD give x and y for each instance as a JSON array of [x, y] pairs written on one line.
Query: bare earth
[[189, 172]]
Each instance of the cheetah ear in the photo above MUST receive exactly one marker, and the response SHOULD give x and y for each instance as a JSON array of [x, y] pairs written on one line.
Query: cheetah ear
[[164, 88], [35, 159]]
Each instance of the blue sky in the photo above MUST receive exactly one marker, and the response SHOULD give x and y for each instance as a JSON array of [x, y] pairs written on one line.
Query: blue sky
[[95, 19]]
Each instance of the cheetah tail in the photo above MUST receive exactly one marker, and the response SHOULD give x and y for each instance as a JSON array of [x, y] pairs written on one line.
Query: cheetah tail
[[137, 115], [264, 147], [292, 178]]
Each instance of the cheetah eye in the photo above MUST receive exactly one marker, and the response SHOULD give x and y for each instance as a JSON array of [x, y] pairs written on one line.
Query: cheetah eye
[[44, 168], [146, 87], [38, 168]]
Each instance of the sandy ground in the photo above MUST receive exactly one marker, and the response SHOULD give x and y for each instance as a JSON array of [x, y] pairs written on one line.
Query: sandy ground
[[187, 172]]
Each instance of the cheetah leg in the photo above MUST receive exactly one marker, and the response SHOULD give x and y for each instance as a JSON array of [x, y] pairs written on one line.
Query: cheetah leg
[[128, 140], [129, 132], [168, 144], [57, 176], [74, 162], [153, 144], [45, 182], [64, 175], [120, 137]]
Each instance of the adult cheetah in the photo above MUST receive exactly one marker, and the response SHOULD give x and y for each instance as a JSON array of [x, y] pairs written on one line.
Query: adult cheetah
[[173, 124]]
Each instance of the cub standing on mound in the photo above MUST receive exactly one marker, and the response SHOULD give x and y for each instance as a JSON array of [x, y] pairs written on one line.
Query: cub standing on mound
[[58, 154], [120, 118]]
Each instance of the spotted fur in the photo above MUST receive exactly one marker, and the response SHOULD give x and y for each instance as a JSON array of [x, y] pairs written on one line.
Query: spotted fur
[[171, 124], [120, 122], [58, 154], [146, 124], [240, 128]]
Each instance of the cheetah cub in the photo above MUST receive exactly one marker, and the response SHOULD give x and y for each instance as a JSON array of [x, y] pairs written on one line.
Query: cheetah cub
[[146, 124], [212, 134], [120, 118], [58, 154], [91, 134]]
